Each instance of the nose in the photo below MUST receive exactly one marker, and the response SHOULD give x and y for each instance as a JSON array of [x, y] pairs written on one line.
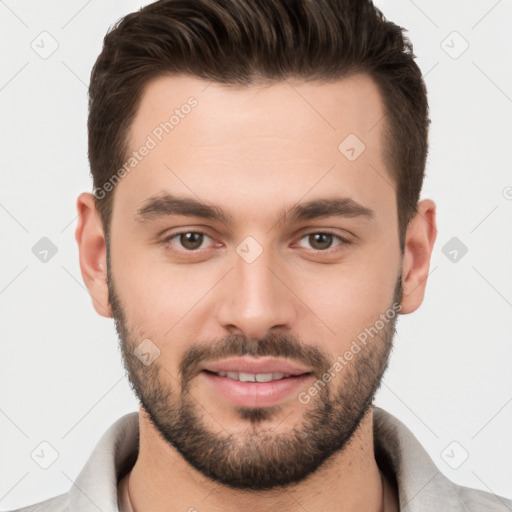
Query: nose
[[256, 297]]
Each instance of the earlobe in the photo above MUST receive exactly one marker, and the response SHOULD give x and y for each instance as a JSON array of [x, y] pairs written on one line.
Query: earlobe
[[90, 238], [420, 238]]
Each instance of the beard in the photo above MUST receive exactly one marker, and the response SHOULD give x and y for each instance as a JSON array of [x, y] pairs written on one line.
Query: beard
[[258, 458]]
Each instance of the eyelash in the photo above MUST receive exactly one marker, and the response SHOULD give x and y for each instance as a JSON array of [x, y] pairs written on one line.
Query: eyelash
[[167, 241]]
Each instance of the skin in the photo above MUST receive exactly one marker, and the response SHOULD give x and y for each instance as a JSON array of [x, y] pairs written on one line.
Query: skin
[[253, 151]]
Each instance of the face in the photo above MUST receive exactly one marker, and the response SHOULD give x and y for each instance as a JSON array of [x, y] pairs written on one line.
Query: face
[[254, 271]]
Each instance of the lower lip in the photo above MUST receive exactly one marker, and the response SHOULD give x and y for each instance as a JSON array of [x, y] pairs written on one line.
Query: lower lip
[[256, 394]]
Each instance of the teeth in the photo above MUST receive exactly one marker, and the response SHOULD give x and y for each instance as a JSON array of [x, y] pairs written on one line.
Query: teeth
[[253, 377], [263, 377], [246, 377]]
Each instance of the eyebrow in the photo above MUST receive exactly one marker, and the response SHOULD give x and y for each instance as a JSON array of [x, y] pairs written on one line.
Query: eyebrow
[[166, 205]]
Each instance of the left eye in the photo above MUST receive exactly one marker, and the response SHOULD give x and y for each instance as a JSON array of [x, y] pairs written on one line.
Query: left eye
[[322, 241]]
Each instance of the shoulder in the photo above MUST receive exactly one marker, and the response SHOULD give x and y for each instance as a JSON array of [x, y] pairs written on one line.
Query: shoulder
[[421, 485], [58, 503], [475, 500]]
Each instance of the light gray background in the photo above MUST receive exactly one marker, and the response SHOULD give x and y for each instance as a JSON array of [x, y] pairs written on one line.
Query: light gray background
[[61, 378]]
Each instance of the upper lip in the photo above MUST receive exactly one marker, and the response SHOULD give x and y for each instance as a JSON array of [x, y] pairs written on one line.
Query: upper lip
[[259, 365]]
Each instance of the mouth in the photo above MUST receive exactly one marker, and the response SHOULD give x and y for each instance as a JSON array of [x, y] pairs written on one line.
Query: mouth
[[253, 377], [255, 366], [255, 382]]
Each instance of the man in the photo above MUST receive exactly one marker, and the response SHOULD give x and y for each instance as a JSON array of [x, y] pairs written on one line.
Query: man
[[255, 230]]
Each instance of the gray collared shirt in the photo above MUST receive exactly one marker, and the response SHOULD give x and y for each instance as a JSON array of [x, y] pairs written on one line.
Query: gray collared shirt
[[421, 486]]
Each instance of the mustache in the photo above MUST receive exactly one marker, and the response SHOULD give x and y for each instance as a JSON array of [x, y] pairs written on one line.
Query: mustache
[[274, 344]]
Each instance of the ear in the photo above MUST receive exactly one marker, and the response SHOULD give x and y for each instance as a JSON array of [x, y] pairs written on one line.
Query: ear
[[420, 237], [93, 253]]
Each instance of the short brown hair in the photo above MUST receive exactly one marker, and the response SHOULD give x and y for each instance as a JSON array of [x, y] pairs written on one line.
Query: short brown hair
[[243, 41]]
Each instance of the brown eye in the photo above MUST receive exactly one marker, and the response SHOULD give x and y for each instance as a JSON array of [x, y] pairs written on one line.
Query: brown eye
[[192, 240], [322, 241], [186, 240]]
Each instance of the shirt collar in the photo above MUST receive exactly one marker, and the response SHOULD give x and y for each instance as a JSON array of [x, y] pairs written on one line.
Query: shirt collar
[[421, 485]]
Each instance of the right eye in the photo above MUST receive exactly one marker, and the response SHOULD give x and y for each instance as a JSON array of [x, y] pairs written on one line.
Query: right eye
[[189, 240]]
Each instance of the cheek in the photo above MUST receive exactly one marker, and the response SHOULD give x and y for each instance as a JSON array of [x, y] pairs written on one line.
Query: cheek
[[139, 290], [162, 301], [351, 296]]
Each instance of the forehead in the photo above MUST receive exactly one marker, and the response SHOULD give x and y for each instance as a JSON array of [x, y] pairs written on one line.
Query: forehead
[[252, 143], [275, 109]]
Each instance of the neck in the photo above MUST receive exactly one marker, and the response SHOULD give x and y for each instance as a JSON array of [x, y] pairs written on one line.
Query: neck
[[162, 480]]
